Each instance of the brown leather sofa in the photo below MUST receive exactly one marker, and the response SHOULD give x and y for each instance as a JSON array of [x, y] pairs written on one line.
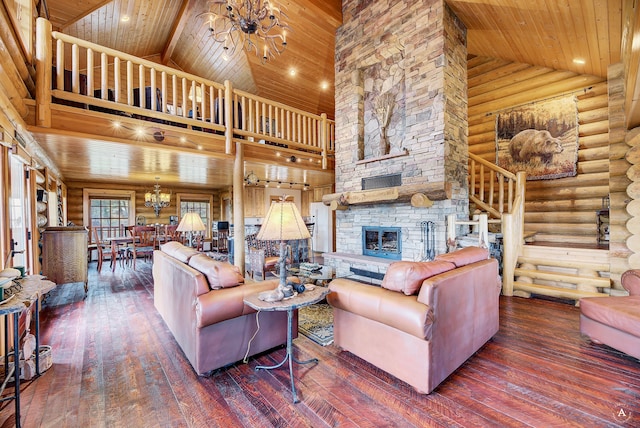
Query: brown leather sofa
[[201, 301], [425, 320], [615, 321]]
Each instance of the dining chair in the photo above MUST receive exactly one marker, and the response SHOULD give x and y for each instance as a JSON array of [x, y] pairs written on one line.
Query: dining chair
[[171, 233], [105, 250], [144, 242], [263, 256]]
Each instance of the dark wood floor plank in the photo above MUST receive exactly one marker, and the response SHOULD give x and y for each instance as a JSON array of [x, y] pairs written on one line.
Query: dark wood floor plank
[[115, 363]]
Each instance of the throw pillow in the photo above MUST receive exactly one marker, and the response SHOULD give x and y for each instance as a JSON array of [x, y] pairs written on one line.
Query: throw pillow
[[407, 277], [219, 274], [465, 256]]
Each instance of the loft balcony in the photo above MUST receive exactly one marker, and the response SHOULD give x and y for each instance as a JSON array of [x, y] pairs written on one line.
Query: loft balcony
[[96, 92]]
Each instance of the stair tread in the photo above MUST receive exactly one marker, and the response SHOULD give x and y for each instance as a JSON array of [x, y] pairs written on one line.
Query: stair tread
[[564, 277], [557, 291], [594, 266], [597, 266]]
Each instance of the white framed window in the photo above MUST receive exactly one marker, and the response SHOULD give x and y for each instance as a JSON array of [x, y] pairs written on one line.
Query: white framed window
[[201, 204]]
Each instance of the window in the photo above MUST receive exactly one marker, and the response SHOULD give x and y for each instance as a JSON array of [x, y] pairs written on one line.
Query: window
[[200, 204], [109, 210], [109, 216]]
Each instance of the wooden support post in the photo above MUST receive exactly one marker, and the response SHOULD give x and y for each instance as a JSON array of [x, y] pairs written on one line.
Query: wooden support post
[[238, 207], [43, 73]]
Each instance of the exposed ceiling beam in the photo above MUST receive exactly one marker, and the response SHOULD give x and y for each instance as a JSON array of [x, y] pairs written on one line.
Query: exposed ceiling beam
[[176, 30]]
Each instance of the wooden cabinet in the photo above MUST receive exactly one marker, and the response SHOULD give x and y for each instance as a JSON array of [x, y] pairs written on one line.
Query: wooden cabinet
[[254, 202], [64, 255], [320, 191]]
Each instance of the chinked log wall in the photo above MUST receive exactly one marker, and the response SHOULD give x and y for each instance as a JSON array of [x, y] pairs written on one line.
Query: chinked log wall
[[75, 211], [561, 210]]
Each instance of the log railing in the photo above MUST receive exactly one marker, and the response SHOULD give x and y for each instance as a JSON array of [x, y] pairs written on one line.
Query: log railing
[[265, 120], [501, 194], [85, 74], [491, 188]]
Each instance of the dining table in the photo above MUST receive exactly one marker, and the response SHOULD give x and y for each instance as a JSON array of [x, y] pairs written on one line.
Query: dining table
[[119, 247]]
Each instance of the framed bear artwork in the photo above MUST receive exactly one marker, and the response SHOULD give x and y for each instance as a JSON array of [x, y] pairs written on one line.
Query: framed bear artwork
[[540, 138]]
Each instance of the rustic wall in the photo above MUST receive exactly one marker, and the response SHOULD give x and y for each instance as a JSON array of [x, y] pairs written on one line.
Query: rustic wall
[[561, 210], [74, 201], [417, 51]]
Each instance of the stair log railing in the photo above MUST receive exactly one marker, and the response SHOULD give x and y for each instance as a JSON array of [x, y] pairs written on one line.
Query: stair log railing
[[501, 193], [115, 81]]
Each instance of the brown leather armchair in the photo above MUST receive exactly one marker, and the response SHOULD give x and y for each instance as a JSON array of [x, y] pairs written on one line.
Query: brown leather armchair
[[425, 320], [615, 321]]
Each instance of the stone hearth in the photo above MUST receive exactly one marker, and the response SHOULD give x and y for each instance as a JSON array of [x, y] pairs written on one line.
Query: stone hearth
[[400, 65]]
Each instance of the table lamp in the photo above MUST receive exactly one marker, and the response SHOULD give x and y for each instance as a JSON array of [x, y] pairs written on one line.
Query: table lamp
[[191, 222], [282, 223]]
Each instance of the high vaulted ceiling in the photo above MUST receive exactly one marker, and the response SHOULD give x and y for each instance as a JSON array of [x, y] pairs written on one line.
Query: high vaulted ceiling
[[547, 33], [583, 36]]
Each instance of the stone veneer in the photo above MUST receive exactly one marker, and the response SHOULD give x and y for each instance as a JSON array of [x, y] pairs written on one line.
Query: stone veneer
[[416, 50]]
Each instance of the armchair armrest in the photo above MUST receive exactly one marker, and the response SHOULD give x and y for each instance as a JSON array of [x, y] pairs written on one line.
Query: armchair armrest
[[631, 281]]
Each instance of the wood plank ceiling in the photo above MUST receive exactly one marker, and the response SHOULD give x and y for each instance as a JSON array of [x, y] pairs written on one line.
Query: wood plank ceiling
[[583, 36]]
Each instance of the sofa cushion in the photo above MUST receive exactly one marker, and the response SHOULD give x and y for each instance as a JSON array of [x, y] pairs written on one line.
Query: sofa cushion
[[178, 251], [407, 277], [622, 313], [384, 306], [465, 256], [219, 274]]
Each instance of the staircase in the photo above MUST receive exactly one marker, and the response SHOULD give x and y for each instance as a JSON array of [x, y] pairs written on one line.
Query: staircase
[[529, 269]]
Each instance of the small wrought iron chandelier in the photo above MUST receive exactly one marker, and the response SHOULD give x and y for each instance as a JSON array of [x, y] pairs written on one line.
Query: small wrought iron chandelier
[[156, 199], [249, 24]]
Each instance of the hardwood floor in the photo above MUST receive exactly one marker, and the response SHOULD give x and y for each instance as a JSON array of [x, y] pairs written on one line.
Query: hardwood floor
[[115, 364]]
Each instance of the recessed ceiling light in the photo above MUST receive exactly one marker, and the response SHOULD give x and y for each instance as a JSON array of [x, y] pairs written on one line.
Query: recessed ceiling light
[[292, 72], [579, 61], [125, 18], [324, 85]]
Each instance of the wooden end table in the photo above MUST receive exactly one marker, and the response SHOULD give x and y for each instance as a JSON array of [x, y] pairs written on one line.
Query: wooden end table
[[309, 297], [32, 287]]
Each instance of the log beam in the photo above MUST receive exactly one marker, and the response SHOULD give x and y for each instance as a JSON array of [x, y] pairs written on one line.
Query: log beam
[[426, 192]]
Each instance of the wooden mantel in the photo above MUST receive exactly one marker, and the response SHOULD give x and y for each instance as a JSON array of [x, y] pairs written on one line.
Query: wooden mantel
[[420, 195]]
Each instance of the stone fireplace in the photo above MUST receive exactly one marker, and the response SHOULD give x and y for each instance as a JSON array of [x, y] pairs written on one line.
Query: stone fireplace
[[382, 241], [401, 109]]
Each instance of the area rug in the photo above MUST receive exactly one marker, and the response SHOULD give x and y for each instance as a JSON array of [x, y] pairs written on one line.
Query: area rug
[[316, 322]]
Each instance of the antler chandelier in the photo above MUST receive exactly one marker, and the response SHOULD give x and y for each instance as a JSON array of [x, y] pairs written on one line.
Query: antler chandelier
[[250, 24]]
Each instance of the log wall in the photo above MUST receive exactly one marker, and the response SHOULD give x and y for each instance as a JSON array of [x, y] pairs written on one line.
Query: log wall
[[561, 210], [74, 201]]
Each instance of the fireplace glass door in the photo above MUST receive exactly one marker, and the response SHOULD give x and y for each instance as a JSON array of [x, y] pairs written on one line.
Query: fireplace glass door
[[382, 242]]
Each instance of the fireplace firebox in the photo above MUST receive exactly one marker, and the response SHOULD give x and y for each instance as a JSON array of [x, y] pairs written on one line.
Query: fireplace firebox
[[382, 241]]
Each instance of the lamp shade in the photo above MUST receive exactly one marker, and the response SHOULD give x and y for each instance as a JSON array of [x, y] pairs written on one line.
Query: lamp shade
[[282, 223], [191, 222]]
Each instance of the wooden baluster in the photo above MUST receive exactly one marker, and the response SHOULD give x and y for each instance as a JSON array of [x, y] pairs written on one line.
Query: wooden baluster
[[482, 183], [152, 91], [90, 72], [491, 188], [129, 83], [500, 193], [116, 79], [473, 178], [75, 69], [60, 65]]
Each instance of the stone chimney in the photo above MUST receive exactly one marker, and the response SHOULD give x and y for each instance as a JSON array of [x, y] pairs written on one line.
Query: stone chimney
[[401, 111]]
